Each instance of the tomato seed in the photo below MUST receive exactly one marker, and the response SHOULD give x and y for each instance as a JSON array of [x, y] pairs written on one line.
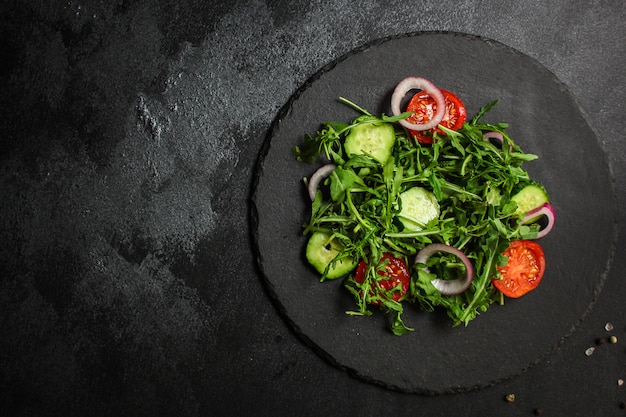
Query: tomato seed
[[510, 398], [613, 339]]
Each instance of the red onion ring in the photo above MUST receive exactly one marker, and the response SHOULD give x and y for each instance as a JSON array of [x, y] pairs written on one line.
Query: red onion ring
[[497, 136], [418, 83], [546, 210], [447, 287], [318, 176]]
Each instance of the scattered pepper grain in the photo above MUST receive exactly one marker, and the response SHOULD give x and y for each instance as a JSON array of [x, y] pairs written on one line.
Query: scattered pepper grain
[[510, 398]]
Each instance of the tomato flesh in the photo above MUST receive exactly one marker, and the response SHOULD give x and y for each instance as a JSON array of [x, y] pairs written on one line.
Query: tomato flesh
[[396, 277], [524, 269], [423, 107]]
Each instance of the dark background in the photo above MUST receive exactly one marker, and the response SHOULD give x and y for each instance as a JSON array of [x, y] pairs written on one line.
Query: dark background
[[129, 134]]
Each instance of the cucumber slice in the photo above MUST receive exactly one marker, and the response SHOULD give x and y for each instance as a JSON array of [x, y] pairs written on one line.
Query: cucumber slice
[[321, 250], [530, 197], [373, 139], [419, 206]]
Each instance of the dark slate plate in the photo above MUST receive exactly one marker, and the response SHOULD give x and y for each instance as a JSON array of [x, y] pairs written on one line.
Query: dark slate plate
[[437, 358]]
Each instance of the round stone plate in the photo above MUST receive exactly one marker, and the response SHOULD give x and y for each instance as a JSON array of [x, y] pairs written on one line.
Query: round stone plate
[[544, 119]]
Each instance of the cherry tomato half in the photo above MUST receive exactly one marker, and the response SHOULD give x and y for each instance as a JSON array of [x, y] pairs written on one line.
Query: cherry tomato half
[[524, 269], [423, 107], [395, 272]]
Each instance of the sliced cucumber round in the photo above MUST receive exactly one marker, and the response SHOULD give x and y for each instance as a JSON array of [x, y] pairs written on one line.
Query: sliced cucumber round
[[419, 206], [530, 197], [373, 139], [322, 250]]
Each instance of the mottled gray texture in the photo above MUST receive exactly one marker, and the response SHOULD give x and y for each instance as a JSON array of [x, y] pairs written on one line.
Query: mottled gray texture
[[129, 135]]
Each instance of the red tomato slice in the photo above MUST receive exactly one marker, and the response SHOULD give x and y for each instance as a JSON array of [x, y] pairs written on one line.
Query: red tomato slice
[[524, 269], [395, 272], [423, 107]]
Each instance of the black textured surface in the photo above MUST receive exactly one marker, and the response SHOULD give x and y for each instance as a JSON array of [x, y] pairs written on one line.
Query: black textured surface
[[129, 134], [537, 106]]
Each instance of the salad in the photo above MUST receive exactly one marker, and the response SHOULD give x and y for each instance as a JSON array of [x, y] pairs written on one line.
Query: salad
[[424, 207]]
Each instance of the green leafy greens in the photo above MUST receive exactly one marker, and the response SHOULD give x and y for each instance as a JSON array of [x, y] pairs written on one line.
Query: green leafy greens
[[473, 181]]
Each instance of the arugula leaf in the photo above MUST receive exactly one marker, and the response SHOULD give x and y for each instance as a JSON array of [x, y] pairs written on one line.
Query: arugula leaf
[[341, 180], [483, 111]]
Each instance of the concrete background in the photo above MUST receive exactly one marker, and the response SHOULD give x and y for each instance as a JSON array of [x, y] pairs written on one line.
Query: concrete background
[[129, 133]]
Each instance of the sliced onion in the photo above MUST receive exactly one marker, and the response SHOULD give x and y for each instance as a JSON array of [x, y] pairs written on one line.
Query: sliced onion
[[496, 136], [447, 287], [546, 210], [418, 83], [318, 176]]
